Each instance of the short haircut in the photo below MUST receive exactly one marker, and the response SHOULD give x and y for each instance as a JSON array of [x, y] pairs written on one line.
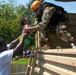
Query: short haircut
[[2, 42], [22, 20]]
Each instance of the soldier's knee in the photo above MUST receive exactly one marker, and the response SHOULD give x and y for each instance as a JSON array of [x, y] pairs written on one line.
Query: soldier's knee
[[62, 27]]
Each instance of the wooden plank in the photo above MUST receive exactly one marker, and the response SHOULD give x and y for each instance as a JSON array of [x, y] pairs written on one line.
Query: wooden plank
[[41, 71], [58, 51], [68, 49], [59, 59], [38, 39], [71, 29], [37, 69], [71, 22], [57, 69], [44, 50], [72, 15], [36, 51], [29, 69]]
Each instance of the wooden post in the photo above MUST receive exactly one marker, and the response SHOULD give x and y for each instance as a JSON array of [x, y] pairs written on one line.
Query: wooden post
[[36, 51], [30, 69]]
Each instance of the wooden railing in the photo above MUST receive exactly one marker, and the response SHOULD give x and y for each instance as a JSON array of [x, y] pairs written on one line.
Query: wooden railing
[[56, 62]]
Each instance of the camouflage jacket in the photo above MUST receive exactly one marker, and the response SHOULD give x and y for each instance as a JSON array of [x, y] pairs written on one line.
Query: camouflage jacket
[[47, 14]]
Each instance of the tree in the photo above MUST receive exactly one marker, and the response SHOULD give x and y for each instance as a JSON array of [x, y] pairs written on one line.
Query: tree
[[10, 19]]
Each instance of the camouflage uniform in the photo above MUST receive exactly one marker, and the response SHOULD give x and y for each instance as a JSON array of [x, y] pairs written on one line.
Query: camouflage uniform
[[60, 28]]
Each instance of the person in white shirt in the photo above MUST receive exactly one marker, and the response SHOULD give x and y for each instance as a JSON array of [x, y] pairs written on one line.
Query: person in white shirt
[[7, 52]]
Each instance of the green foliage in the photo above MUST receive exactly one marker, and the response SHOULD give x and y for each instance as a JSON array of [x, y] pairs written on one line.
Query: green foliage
[[9, 23], [10, 16]]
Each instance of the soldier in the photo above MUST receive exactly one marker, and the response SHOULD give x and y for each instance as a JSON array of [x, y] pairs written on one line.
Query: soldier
[[50, 16]]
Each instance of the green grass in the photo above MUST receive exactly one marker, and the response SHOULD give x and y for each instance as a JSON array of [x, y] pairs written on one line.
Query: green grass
[[21, 61]]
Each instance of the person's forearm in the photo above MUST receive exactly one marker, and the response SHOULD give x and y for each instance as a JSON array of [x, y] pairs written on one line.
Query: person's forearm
[[14, 43], [18, 48], [46, 17]]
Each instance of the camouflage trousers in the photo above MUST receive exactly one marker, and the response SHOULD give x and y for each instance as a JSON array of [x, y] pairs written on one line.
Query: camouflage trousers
[[62, 33]]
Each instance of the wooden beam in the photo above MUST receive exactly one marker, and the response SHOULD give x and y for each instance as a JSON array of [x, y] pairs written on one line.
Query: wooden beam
[[58, 59], [58, 51], [41, 72], [36, 51], [72, 15], [56, 69]]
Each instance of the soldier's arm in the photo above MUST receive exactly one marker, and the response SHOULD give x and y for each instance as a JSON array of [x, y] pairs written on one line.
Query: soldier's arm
[[47, 14], [35, 22]]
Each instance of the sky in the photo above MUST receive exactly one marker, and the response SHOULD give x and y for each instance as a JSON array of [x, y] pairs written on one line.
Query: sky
[[69, 6]]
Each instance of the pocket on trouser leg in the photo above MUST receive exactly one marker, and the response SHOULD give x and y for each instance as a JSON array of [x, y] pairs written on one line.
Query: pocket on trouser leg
[[67, 37], [62, 27], [71, 39]]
